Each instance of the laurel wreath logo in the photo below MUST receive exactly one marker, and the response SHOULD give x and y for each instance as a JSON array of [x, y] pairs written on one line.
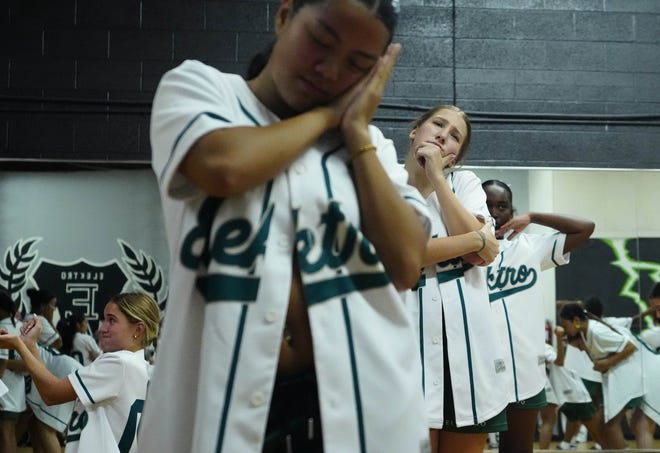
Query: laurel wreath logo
[[18, 260], [146, 273]]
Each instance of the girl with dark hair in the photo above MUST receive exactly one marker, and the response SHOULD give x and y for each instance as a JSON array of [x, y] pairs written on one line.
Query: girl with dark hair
[[43, 303], [516, 300], [292, 229], [76, 341], [613, 353], [449, 306], [12, 403]]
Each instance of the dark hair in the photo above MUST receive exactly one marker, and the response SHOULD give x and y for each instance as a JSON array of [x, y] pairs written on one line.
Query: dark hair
[[421, 119], [594, 305], [655, 291], [7, 304], [574, 310], [39, 298], [498, 183], [68, 328], [387, 11]]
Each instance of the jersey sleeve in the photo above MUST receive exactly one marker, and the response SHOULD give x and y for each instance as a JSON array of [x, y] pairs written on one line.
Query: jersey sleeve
[[467, 187], [48, 334], [550, 353], [190, 101], [100, 380], [399, 176], [607, 340], [550, 249]]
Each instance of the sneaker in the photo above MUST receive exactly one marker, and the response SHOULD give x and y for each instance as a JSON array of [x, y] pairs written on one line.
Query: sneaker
[[566, 446], [596, 447]]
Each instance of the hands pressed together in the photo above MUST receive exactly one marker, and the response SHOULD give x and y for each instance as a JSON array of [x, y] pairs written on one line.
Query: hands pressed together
[[30, 331]]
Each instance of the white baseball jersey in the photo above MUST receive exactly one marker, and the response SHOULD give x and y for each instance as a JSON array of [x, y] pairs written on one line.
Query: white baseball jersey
[[514, 290], [651, 371], [622, 382], [566, 385], [581, 363], [230, 284], [83, 347], [651, 337], [48, 334], [475, 352], [14, 399], [56, 416], [111, 393]]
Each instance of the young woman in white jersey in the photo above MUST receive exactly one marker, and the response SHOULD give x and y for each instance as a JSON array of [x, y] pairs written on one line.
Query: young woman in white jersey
[[12, 403], [291, 228], [517, 302], [616, 356], [651, 336], [110, 392], [462, 359], [43, 303], [76, 340]]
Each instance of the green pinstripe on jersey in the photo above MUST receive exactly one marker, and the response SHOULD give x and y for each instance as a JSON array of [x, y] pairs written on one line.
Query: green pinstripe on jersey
[[230, 380], [513, 356], [84, 387], [420, 299], [468, 351], [183, 132], [354, 374]]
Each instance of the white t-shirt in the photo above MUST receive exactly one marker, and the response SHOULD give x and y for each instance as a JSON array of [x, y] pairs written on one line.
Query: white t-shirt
[[111, 393], [84, 346], [230, 276]]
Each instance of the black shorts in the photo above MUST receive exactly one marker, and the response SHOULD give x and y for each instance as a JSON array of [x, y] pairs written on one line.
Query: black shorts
[[294, 420]]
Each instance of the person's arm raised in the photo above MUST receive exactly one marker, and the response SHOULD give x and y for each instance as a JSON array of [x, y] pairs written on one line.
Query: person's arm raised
[[229, 161], [388, 221], [577, 230], [52, 389]]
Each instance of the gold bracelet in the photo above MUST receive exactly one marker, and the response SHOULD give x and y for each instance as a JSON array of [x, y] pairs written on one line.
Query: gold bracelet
[[361, 150], [483, 240]]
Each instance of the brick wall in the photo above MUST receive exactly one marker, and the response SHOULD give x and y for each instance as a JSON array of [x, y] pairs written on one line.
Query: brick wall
[[547, 82]]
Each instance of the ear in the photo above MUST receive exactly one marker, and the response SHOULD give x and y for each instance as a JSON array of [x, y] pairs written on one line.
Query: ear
[[412, 133], [283, 15], [140, 329]]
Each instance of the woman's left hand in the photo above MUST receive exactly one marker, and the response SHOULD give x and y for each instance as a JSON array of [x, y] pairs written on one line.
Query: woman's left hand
[[31, 330], [7, 340], [602, 365], [517, 224], [363, 99]]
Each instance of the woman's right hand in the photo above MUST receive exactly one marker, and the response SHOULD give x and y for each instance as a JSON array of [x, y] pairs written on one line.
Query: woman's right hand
[[31, 330]]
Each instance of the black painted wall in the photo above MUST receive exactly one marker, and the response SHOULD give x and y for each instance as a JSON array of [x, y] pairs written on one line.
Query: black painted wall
[[547, 82]]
